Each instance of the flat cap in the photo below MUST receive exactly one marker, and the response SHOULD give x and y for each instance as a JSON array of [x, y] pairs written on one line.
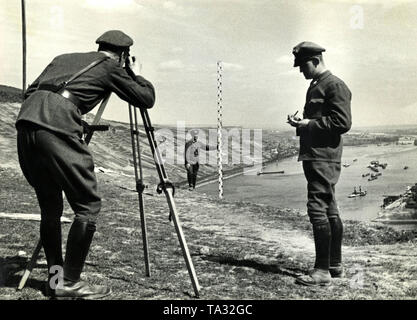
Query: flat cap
[[305, 51], [115, 38]]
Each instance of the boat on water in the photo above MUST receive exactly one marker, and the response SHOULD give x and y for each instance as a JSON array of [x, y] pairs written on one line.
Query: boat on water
[[270, 172], [356, 193], [373, 168], [375, 164], [406, 167], [346, 165]]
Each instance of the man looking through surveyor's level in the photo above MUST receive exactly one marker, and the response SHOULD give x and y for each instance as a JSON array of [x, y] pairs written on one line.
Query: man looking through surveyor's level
[[55, 158], [326, 117]]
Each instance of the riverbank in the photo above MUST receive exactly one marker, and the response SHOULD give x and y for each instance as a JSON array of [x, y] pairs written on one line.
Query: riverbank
[[234, 172], [240, 250]]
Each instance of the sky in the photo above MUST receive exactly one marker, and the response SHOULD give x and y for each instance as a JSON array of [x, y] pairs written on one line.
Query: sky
[[370, 44]]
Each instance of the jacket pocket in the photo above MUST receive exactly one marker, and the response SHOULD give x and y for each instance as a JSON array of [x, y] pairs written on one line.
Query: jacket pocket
[[314, 108], [316, 100]]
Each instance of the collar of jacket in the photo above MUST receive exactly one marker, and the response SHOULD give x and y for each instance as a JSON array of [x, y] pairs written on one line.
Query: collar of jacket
[[110, 55], [321, 76]]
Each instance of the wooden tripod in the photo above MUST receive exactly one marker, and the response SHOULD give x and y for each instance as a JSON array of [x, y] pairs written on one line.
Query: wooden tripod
[[164, 186]]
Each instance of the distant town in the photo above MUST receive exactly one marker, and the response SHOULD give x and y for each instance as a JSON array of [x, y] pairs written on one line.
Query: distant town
[[283, 144], [366, 137]]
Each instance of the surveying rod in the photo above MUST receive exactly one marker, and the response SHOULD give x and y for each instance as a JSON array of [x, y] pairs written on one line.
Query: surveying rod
[[219, 127], [23, 48]]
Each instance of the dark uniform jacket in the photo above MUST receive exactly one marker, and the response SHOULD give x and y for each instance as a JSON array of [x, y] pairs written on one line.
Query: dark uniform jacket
[[328, 107], [192, 151], [52, 111]]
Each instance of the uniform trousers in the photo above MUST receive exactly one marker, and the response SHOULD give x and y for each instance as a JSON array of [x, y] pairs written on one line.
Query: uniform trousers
[[53, 163], [192, 174], [322, 177], [323, 212]]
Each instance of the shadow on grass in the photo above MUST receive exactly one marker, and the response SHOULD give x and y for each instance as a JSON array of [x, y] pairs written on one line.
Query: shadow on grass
[[10, 268], [249, 263]]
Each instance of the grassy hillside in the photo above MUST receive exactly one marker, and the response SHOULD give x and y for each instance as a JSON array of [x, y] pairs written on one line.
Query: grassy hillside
[[112, 149], [240, 250], [10, 94]]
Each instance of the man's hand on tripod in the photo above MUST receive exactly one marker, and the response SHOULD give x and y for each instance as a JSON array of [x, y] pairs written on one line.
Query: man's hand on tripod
[[86, 127]]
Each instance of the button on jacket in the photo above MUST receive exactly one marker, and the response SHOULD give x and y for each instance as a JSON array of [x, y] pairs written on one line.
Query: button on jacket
[[328, 107], [54, 112]]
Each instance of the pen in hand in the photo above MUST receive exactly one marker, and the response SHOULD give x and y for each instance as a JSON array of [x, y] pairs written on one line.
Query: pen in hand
[[292, 120]]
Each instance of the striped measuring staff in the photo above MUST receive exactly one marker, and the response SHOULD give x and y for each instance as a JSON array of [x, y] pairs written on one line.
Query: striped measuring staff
[[219, 126]]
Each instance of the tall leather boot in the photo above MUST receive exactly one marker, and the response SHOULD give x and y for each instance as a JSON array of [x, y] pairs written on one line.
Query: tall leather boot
[[51, 238], [78, 245], [336, 268], [194, 180], [189, 179], [322, 237], [320, 274]]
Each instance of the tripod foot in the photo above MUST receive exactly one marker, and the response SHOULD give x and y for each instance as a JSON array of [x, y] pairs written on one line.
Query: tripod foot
[[23, 280]]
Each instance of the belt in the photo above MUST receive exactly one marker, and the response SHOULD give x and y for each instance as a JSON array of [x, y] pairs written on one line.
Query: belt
[[71, 97], [63, 92]]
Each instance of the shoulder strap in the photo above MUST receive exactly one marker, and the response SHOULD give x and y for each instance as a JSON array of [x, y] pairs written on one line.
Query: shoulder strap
[[91, 65]]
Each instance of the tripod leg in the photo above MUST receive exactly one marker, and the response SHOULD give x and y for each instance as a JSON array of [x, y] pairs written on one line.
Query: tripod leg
[[134, 133], [30, 265], [168, 193], [144, 236], [183, 244], [97, 117]]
